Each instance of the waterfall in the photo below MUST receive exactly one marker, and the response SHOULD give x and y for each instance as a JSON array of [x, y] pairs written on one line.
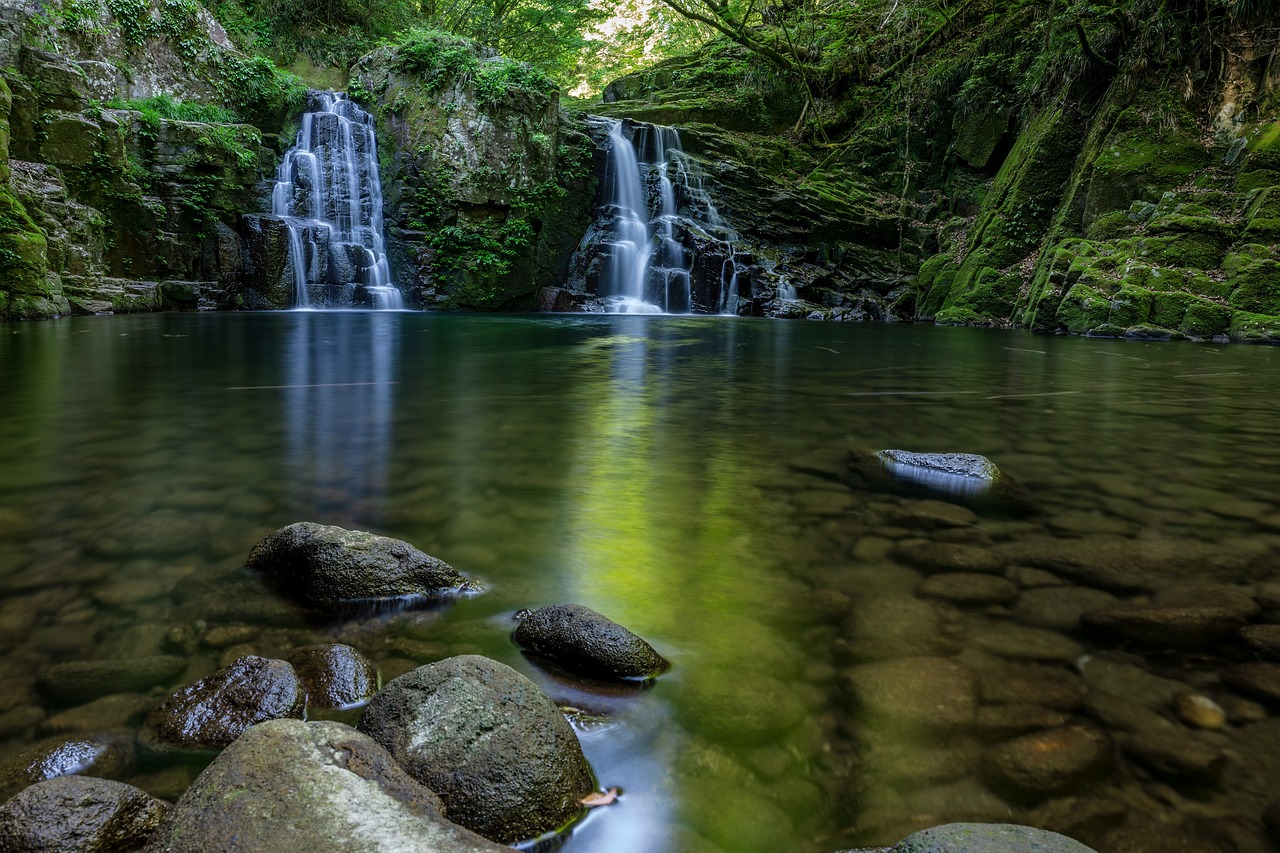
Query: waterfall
[[329, 195], [660, 218]]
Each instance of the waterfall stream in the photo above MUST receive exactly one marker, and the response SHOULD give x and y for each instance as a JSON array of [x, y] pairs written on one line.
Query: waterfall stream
[[660, 218], [329, 195]]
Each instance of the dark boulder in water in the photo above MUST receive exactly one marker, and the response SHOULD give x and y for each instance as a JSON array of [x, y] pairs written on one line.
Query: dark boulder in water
[[79, 813], [964, 477], [327, 565], [499, 753], [580, 640], [333, 675]]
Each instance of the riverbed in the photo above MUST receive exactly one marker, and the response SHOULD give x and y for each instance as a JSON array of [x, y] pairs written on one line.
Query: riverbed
[[687, 478]]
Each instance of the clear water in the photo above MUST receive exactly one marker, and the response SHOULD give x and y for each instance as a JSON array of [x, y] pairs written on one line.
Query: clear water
[[657, 469]]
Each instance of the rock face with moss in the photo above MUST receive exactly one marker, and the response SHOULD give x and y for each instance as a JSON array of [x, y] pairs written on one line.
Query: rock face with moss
[[487, 185], [130, 206]]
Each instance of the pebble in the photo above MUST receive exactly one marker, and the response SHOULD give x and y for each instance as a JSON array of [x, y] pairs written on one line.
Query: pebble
[[931, 514], [1006, 686], [83, 680], [1005, 721], [123, 709], [948, 557], [1198, 710]]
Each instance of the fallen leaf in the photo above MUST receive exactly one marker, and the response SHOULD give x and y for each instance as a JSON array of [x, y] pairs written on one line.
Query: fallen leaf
[[606, 798]]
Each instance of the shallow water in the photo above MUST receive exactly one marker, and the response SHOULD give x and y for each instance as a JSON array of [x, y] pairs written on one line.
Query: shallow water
[[681, 476]]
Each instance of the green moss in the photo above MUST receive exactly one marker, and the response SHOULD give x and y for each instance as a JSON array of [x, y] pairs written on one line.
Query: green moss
[[1111, 225], [1202, 251], [1254, 283], [1263, 151], [1168, 309], [1204, 319], [1257, 179], [1082, 309], [23, 252], [1131, 306], [933, 284], [1255, 328]]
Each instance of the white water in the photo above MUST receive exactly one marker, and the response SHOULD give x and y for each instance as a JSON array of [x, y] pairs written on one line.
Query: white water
[[329, 194], [654, 195]]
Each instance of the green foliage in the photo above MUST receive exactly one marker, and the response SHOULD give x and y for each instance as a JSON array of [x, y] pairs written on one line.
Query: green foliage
[[168, 107]]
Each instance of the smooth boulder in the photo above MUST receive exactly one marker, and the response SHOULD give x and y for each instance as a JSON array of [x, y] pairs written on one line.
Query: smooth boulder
[[106, 753], [488, 741], [965, 477], [212, 712], [79, 814], [580, 640], [326, 566], [290, 785], [334, 676]]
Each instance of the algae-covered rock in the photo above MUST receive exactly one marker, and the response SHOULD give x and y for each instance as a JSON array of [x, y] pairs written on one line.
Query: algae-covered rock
[[290, 785], [79, 814], [580, 640], [325, 566], [499, 753]]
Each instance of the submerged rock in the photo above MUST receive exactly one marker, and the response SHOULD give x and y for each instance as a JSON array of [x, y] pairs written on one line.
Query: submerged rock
[[79, 814], [290, 785], [214, 711], [333, 675], [962, 476], [986, 838], [1051, 762], [926, 692], [91, 679], [485, 738], [582, 641], [1190, 616], [105, 754], [328, 565]]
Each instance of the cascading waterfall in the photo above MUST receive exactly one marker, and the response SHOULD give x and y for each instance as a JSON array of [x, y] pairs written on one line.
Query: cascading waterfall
[[329, 195], [657, 206]]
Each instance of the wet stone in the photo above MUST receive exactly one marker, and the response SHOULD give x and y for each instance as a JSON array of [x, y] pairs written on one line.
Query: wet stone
[[1079, 816], [21, 719], [971, 589], [743, 710], [1119, 678], [1118, 713], [334, 676], [1005, 721], [987, 838], [91, 679], [947, 557], [81, 814], [1045, 689], [1092, 524], [583, 641], [123, 709], [1059, 608], [1259, 680], [1263, 640], [892, 626], [221, 636], [1034, 578], [108, 753], [1175, 755], [1200, 711], [933, 514], [926, 692], [1017, 642], [1048, 763], [215, 710]]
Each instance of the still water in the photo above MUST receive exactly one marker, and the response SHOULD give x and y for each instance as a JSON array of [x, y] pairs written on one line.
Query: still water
[[683, 476]]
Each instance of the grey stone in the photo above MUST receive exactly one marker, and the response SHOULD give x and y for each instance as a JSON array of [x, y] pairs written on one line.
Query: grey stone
[[214, 711], [107, 753], [1051, 762], [91, 679], [987, 838], [962, 476], [79, 814], [926, 692], [1017, 642], [290, 785], [580, 640], [488, 741], [1059, 608], [333, 675], [892, 626], [327, 565]]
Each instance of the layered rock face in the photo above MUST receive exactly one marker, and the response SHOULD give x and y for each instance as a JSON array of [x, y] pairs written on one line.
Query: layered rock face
[[487, 184], [116, 210]]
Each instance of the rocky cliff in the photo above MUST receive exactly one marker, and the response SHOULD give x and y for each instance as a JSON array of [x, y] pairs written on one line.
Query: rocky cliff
[[110, 198]]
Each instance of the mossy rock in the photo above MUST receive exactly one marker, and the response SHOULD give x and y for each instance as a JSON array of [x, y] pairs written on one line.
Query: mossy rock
[[980, 292], [1131, 306], [1263, 216], [933, 283], [1256, 179], [1254, 283], [1263, 151], [24, 257], [1134, 165], [978, 135], [1117, 223], [1169, 308], [1205, 319], [1203, 251], [1083, 308], [1255, 328]]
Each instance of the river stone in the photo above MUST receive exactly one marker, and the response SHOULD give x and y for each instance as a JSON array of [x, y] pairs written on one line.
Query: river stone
[[1017, 642], [744, 711], [1179, 626], [926, 692], [79, 814], [290, 785], [987, 838], [334, 676], [1260, 680], [960, 476], [1059, 608], [968, 588], [1175, 755], [1051, 762], [1199, 711], [1264, 640], [948, 557], [212, 712], [105, 754], [582, 641], [328, 565], [892, 626], [932, 514], [1117, 712], [80, 681], [123, 709], [488, 741]]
